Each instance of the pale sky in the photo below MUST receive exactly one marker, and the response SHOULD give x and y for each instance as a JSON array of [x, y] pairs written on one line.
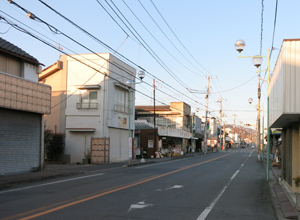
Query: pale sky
[[206, 29]]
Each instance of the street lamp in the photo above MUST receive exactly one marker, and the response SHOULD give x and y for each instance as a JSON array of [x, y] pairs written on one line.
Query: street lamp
[[257, 61], [130, 84]]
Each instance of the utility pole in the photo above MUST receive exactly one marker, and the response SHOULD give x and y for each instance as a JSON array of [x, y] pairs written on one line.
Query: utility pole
[[240, 132], [206, 111], [154, 118], [234, 127], [221, 115], [258, 117]]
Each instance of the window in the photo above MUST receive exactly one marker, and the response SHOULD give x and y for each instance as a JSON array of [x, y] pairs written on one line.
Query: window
[[88, 99], [121, 100]]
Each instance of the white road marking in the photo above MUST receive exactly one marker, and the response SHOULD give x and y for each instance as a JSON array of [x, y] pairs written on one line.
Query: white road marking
[[206, 211], [174, 187], [155, 164], [139, 205], [45, 184]]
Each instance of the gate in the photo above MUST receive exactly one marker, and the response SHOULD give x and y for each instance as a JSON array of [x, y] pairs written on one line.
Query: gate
[[100, 150]]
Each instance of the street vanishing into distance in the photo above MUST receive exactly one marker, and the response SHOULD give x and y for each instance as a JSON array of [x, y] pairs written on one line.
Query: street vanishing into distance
[[224, 185]]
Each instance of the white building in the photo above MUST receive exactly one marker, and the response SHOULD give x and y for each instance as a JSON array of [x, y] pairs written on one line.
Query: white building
[[90, 100]]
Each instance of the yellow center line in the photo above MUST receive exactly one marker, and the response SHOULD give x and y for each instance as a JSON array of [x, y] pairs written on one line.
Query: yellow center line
[[118, 189]]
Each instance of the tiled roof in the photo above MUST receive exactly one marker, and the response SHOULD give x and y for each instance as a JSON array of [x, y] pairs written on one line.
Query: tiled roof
[[142, 124], [9, 48], [151, 107]]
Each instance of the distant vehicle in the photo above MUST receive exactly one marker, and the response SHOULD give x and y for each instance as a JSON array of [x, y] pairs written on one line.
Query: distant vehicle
[[243, 146], [252, 146]]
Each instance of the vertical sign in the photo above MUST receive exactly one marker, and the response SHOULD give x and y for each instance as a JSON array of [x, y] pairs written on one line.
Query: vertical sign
[[130, 148]]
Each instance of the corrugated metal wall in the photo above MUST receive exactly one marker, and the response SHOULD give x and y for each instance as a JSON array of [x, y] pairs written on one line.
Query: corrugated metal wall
[[19, 141]]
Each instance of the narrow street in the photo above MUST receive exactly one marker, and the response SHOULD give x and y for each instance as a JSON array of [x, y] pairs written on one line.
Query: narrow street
[[223, 185]]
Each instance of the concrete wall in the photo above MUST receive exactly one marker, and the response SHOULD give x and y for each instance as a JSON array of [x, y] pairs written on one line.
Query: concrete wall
[[30, 72]]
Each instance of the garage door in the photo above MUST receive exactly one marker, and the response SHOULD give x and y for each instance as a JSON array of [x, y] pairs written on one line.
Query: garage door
[[19, 141]]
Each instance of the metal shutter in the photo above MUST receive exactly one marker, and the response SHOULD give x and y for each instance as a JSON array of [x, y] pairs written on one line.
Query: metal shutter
[[20, 137]]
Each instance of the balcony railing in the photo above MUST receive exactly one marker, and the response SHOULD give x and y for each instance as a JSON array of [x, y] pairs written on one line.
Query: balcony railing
[[87, 105], [121, 108], [173, 132]]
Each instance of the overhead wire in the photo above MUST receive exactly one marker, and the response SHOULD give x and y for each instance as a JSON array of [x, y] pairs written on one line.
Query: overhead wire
[[93, 37], [54, 30], [97, 71], [157, 39], [274, 28], [167, 36], [147, 47], [177, 37]]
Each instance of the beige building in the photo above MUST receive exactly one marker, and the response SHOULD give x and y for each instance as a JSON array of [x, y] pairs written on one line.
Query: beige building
[[285, 108], [23, 102], [90, 100], [174, 123]]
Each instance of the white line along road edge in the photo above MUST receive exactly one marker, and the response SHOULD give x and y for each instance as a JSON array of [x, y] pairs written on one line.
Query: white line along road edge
[[45, 184]]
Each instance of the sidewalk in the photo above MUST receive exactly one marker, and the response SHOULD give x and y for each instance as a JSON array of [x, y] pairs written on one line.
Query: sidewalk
[[286, 199], [61, 170]]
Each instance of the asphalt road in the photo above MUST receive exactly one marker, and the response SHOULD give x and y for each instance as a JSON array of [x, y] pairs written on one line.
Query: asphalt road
[[224, 185]]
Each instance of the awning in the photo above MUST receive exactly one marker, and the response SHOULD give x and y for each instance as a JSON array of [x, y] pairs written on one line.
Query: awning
[[81, 129]]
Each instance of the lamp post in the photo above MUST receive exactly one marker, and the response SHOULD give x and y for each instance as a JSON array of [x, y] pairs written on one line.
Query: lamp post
[[257, 61], [130, 83]]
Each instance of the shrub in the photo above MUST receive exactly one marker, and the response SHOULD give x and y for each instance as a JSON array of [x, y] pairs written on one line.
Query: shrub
[[56, 146]]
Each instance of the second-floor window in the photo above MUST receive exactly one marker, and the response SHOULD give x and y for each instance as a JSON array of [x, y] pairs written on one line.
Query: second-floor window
[[121, 100], [88, 99]]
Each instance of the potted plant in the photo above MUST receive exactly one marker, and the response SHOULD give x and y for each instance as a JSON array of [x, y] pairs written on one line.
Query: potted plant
[[297, 184]]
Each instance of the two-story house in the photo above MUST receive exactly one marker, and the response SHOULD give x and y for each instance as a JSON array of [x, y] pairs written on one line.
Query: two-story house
[[90, 105], [23, 102], [173, 122]]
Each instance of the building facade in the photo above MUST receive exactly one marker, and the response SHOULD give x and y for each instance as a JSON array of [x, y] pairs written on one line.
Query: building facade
[[90, 100], [284, 108], [23, 102], [174, 123]]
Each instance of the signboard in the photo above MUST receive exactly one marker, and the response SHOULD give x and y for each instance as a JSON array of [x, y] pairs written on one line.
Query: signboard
[[130, 148], [138, 151], [211, 142], [122, 121], [150, 143]]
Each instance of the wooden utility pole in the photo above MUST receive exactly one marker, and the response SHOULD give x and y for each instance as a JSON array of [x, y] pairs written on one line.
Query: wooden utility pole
[[221, 115], [234, 127], [154, 118], [206, 111]]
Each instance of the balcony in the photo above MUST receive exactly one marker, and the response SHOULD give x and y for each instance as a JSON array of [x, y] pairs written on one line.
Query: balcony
[[121, 108], [20, 94], [173, 132], [87, 105]]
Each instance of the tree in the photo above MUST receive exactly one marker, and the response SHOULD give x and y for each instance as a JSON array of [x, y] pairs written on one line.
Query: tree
[[56, 146]]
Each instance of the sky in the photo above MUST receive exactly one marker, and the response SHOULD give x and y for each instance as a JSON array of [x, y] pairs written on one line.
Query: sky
[[178, 43]]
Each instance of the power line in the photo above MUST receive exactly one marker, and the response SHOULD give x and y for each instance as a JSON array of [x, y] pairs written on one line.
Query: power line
[[154, 55], [99, 41], [54, 47], [158, 40], [167, 36], [274, 27]]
